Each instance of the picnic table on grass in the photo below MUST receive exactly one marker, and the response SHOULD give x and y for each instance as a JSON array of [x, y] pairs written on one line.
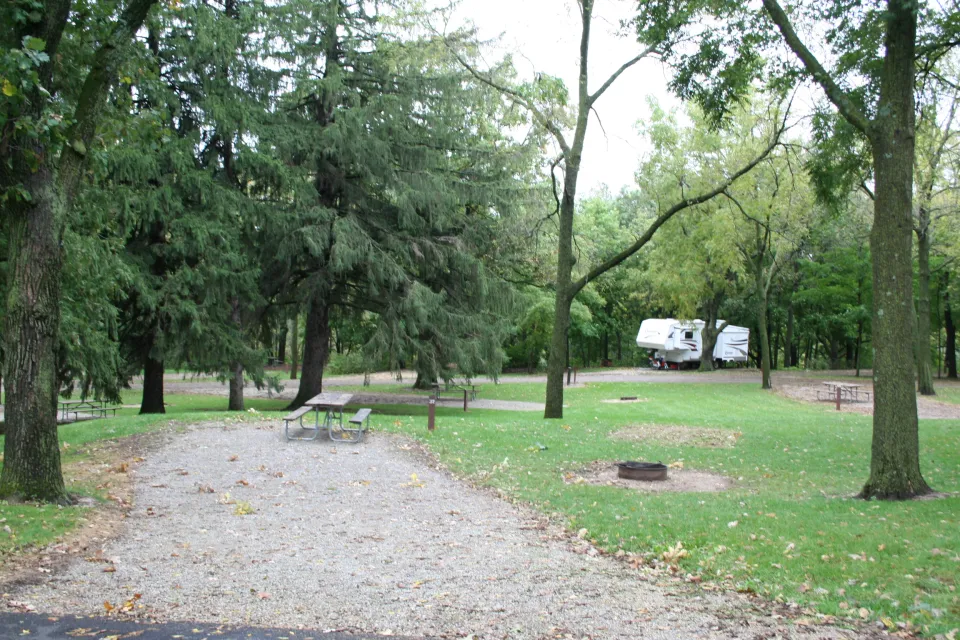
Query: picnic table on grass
[[94, 408]]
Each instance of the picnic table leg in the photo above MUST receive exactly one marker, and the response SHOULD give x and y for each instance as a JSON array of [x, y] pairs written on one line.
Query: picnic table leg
[[464, 400], [838, 397]]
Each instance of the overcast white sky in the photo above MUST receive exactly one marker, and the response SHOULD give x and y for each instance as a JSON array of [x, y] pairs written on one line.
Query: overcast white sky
[[544, 36]]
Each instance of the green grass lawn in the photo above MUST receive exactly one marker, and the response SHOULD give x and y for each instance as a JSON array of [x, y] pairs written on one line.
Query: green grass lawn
[[789, 529]]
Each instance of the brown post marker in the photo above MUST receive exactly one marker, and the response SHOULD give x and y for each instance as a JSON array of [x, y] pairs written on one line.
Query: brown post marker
[[464, 400], [432, 413], [838, 397], [568, 375]]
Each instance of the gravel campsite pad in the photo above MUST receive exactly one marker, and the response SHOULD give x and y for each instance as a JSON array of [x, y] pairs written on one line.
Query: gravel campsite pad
[[369, 538]]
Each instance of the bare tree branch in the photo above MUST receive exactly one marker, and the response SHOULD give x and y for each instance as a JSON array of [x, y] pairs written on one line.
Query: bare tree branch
[[602, 268], [616, 74]]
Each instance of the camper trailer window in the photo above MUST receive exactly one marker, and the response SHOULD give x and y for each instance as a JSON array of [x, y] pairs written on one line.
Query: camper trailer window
[[688, 335]]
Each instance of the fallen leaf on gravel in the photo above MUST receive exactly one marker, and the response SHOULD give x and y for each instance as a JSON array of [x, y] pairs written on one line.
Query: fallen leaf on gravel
[[20, 606], [233, 458], [243, 483], [263, 595], [109, 607], [414, 482], [278, 474], [243, 509], [110, 569], [121, 468], [205, 488], [81, 631]]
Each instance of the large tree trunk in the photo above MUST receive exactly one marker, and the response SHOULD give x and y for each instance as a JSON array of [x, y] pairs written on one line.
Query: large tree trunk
[[152, 400], [235, 403], [31, 468], [924, 358], [316, 348], [895, 451]]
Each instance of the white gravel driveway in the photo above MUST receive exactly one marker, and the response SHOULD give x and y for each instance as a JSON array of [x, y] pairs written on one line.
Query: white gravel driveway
[[369, 538]]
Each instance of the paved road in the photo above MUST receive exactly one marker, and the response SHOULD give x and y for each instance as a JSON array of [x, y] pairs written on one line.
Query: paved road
[[40, 627]]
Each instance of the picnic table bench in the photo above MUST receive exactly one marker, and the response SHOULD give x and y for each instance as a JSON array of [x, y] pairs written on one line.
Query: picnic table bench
[[331, 405]]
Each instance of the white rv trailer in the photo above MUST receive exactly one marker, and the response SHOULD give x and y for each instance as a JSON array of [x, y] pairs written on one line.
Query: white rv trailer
[[679, 343]]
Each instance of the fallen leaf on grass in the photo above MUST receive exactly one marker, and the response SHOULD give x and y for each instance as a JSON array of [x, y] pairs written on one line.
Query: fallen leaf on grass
[[674, 554]]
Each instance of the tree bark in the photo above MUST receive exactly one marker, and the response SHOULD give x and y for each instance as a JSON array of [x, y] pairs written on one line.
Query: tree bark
[[31, 466], [235, 403], [31, 469], [709, 333], [764, 338], [895, 452], [282, 345], [294, 346], [924, 358], [152, 400], [316, 348], [950, 348], [563, 300]]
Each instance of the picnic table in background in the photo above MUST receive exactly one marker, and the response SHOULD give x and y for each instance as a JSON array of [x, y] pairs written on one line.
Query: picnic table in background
[[93, 408], [848, 392]]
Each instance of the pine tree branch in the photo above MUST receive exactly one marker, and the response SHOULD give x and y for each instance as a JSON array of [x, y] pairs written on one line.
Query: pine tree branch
[[542, 119], [600, 269], [835, 94]]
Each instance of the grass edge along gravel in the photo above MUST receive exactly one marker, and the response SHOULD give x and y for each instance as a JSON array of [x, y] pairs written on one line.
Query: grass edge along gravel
[[788, 530]]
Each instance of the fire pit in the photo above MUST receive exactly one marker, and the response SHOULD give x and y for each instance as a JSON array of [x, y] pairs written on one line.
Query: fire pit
[[642, 470]]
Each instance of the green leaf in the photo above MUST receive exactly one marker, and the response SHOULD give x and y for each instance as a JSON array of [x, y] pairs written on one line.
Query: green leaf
[[8, 89], [79, 147], [34, 44]]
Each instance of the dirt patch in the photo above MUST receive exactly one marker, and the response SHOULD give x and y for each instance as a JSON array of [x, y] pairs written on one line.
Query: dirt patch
[[807, 391], [604, 473], [672, 434], [108, 466]]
